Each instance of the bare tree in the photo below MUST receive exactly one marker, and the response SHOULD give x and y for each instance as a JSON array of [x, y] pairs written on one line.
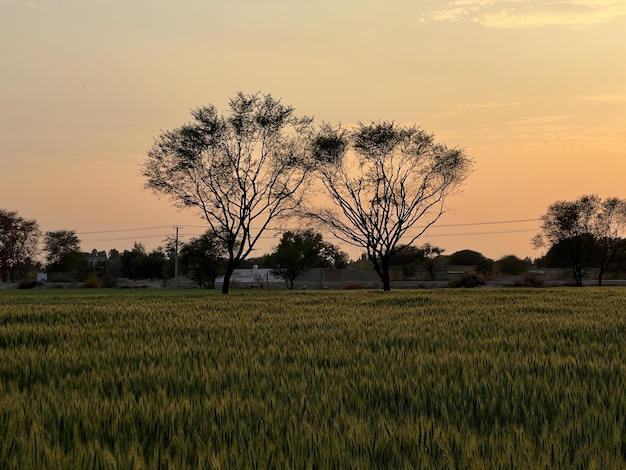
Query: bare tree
[[382, 179], [241, 170]]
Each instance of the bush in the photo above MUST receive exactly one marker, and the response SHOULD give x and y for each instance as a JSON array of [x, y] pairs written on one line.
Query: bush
[[109, 282], [529, 280], [468, 280], [512, 265], [484, 266], [29, 284], [92, 281], [465, 258]]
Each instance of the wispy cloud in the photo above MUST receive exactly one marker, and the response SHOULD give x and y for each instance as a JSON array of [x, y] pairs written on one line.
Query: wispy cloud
[[484, 105], [606, 98], [534, 134], [489, 105], [559, 133], [507, 14], [546, 128]]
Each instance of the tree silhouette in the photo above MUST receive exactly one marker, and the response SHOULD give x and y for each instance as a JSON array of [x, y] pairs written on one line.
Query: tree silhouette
[[202, 259], [241, 170], [568, 227], [299, 251], [382, 178], [609, 229], [431, 259], [18, 241], [59, 245]]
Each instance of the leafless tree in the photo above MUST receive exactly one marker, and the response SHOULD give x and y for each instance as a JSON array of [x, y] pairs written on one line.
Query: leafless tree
[[382, 178], [241, 170]]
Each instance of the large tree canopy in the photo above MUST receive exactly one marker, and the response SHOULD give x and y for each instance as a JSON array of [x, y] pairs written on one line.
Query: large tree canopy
[[202, 259], [58, 245], [301, 250], [567, 225], [241, 170], [465, 258], [382, 178], [18, 241]]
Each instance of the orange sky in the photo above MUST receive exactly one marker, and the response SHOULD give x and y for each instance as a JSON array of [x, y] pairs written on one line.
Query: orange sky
[[535, 91]]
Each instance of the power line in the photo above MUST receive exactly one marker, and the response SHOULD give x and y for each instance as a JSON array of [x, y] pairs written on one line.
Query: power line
[[125, 238], [467, 224], [489, 223], [267, 237], [481, 233], [122, 230], [177, 228]]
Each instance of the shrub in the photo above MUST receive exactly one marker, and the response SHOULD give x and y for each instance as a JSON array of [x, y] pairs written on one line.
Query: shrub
[[29, 284], [512, 265], [529, 280], [465, 258], [91, 281], [469, 280], [109, 282], [484, 266]]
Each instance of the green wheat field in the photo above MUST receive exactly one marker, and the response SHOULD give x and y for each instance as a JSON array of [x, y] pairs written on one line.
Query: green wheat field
[[488, 378]]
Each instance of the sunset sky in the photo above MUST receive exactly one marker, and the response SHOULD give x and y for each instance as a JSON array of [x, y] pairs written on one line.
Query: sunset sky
[[535, 91]]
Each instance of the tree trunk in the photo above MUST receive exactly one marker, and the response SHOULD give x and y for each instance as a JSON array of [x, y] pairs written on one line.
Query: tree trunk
[[578, 276], [431, 271], [382, 269], [386, 281], [230, 269], [4, 272], [385, 274], [600, 276]]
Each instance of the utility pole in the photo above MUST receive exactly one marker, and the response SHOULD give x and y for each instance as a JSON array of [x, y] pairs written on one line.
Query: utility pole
[[176, 280]]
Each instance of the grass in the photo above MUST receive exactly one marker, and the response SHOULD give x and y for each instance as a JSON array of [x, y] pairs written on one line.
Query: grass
[[486, 378]]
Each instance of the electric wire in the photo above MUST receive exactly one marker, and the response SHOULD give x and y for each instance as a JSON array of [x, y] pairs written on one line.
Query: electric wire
[[123, 230], [275, 229]]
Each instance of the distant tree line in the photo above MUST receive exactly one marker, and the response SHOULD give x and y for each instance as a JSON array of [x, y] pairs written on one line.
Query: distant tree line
[[203, 259]]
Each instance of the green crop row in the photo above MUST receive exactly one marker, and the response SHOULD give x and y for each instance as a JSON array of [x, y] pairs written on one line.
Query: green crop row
[[360, 379]]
